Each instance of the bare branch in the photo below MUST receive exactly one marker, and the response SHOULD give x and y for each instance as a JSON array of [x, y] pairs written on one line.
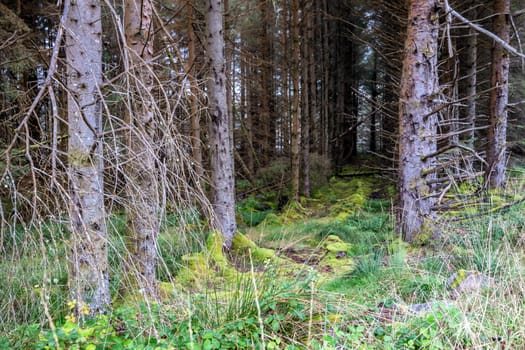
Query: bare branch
[[482, 30]]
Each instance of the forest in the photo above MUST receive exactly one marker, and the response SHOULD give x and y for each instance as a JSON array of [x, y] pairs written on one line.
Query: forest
[[262, 174]]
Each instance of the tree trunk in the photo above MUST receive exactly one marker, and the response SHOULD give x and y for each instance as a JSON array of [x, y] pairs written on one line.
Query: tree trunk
[[472, 77], [499, 96], [193, 98], [306, 96], [222, 177], [295, 136], [314, 117], [285, 120], [264, 78], [375, 107], [142, 186], [88, 267], [417, 134]]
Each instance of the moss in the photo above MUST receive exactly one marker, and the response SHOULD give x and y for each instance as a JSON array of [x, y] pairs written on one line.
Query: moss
[[79, 158], [334, 244], [241, 244], [209, 266], [426, 233], [336, 258], [358, 199], [169, 290], [214, 246], [461, 275], [342, 216]]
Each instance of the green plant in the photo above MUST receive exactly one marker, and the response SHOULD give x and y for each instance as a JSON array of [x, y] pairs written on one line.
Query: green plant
[[434, 330], [370, 264]]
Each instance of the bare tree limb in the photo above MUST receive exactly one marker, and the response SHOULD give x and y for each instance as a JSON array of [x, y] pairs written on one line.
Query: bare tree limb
[[482, 30]]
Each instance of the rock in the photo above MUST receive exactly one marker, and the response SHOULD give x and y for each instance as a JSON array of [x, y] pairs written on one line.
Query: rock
[[411, 309], [468, 282], [335, 257]]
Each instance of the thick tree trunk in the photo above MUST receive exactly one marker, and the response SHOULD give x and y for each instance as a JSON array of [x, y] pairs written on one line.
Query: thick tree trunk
[[499, 96], [222, 177], [142, 186], [417, 129], [88, 268], [295, 136]]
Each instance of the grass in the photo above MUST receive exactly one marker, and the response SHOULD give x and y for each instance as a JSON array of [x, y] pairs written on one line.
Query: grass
[[273, 307]]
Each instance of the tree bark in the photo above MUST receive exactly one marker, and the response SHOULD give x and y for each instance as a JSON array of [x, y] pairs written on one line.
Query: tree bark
[[375, 110], [418, 126], [472, 83], [222, 177], [193, 99], [306, 96], [499, 96], [295, 136], [88, 267], [142, 186]]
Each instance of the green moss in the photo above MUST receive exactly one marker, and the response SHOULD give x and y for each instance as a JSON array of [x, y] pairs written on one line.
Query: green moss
[[425, 234], [334, 244], [460, 277], [335, 258], [79, 158], [242, 245], [209, 266]]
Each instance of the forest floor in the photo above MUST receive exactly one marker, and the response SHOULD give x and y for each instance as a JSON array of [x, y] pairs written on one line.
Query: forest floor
[[329, 272]]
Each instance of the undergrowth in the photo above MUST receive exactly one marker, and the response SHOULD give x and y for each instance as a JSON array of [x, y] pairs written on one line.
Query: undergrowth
[[266, 306]]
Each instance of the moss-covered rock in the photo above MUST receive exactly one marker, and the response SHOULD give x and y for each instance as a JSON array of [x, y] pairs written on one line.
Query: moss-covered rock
[[468, 282], [335, 258], [209, 266], [334, 244], [243, 246]]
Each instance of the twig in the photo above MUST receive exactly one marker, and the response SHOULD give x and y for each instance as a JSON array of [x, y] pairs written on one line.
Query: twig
[[482, 30]]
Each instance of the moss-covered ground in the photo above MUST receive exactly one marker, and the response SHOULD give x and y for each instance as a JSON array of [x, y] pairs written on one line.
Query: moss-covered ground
[[327, 272]]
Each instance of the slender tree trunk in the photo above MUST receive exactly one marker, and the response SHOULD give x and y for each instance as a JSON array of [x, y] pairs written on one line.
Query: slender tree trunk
[[246, 105], [222, 177], [142, 186], [307, 111], [375, 109], [264, 110], [472, 83], [194, 108], [88, 267], [499, 96], [229, 74], [285, 123], [314, 117], [418, 125], [295, 136]]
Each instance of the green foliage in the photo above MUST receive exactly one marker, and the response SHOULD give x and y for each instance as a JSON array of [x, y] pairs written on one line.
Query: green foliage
[[277, 302], [438, 329], [252, 212], [369, 264], [212, 321]]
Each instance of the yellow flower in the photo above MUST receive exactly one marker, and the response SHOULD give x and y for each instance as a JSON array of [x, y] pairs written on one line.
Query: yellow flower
[[71, 304]]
